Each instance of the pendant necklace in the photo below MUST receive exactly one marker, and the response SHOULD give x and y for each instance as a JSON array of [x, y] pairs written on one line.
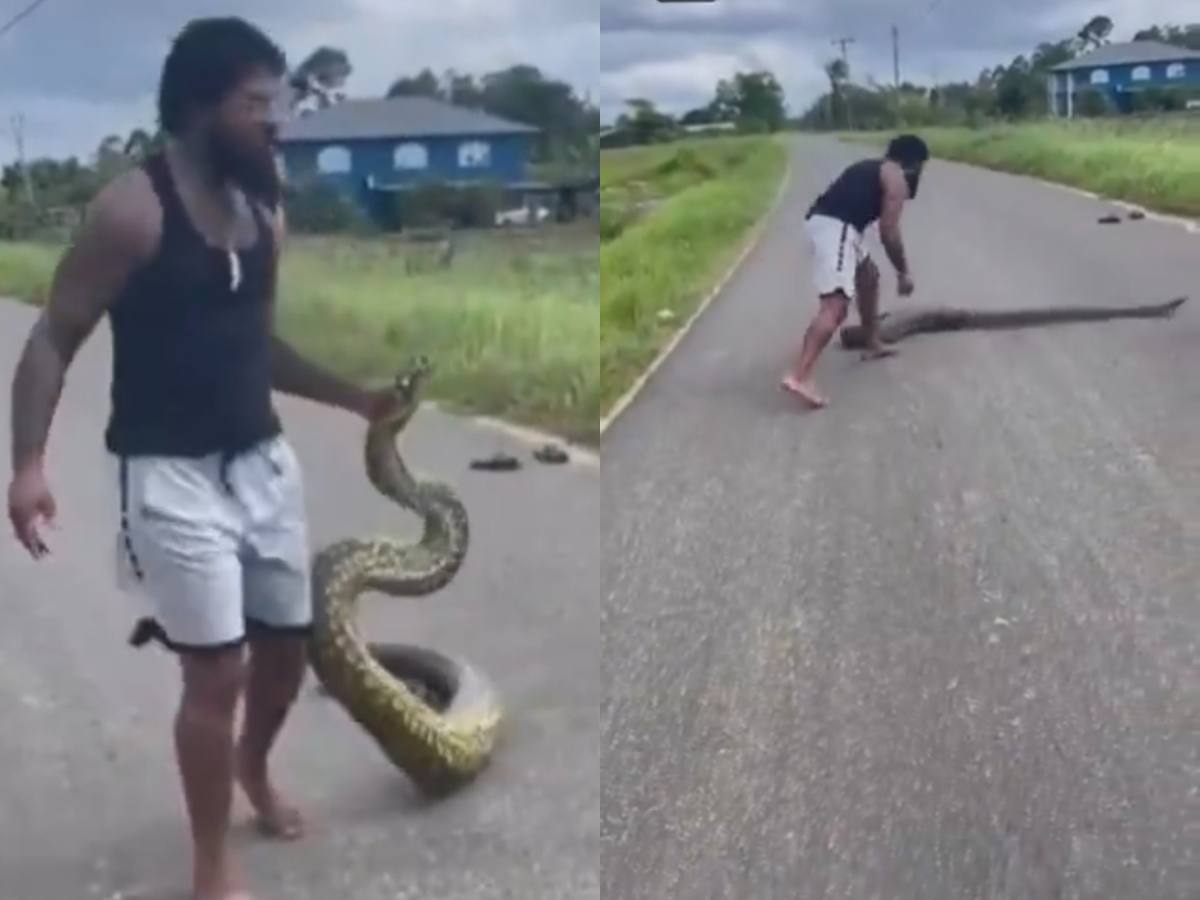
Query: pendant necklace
[[235, 262], [235, 270]]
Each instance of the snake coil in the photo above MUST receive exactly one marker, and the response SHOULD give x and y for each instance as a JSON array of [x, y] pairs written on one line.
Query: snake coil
[[434, 717]]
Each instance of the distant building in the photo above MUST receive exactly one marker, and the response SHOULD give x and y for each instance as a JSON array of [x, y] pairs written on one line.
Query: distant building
[[1120, 71], [374, 147]]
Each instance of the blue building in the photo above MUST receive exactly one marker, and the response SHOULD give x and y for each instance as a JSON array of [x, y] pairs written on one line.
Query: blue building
[[1120, 71], [373, 148]]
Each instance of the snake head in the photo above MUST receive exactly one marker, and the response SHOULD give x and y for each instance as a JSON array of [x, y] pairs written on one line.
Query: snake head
[[409, 380]]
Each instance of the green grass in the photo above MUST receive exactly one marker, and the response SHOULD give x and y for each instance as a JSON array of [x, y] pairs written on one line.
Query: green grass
[[512, 327], [709, 195], [1152, 162]]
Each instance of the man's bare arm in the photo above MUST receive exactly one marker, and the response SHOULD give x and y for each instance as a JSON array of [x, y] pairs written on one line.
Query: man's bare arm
[[895, 192], [292, 374], [120, 231]]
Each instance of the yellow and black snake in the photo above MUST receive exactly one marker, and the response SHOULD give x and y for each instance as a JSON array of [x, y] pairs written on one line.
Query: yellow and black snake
[[436, 718]]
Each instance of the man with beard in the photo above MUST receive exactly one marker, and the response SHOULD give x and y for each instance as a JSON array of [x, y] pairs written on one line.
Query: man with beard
[[867, 191], [182, 255]]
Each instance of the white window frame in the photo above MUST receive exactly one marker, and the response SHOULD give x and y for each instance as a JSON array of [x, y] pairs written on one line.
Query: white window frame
[[1141, 73], [474, 154], [344, 160], [1099, 76], [406, 158], [1177, 70]]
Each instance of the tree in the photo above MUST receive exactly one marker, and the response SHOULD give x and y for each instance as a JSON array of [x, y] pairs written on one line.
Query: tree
[[753, 97], [702, 115], [644, 123], [1047, 56], [1095, 32], [1178, 35], [321, 77], [462, 90], [424, 84], [523, 94]]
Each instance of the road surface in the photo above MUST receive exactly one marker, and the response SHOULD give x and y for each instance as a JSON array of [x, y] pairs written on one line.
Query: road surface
[[90, 807], [939, 640]]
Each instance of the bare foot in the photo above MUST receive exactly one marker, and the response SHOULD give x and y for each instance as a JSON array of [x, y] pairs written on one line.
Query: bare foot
[[804, 390], [878, 351], [218, 882], [274, 817]]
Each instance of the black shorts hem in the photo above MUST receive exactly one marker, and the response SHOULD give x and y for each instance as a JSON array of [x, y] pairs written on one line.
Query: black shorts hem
[[146, 630], [259, 628]]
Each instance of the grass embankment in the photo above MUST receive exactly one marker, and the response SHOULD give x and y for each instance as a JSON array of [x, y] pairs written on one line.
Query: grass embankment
[[511, 327], [1151, 162], [673, 218]]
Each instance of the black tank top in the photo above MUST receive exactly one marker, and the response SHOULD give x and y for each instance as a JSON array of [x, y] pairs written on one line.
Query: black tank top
[[191, 355], [855, 197]]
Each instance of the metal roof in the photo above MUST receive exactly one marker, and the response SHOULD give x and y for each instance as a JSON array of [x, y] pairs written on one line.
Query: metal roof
[[396, 117], [1128, 54]]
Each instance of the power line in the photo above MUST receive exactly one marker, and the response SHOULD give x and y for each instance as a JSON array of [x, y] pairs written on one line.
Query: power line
[[27, 11]]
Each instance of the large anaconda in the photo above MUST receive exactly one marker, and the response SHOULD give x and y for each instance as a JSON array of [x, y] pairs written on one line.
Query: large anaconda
[[434, 717], [895, 327]]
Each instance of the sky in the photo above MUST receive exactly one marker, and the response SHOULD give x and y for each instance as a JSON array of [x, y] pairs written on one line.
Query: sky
[[675, 53], [75, 75]]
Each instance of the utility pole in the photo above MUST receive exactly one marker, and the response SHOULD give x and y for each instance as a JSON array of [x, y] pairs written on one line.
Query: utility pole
[[896, 54], [18, 129], [843, 42]]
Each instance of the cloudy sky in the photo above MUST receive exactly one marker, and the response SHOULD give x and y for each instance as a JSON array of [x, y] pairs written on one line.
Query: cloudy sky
[[77, 74], [674, 53]]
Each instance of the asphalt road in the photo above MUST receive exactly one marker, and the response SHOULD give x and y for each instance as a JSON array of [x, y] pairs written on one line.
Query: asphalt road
[[90, 807], [939, 640]]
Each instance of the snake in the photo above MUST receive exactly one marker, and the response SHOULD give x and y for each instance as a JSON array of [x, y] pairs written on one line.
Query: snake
[[895, 327], [434, 717]]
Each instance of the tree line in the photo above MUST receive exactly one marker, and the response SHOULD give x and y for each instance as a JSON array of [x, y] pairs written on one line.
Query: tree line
[[749, 102], [567, 141], [1012, 92]]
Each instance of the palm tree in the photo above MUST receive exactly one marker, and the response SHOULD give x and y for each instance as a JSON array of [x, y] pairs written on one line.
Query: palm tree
[[1095, 32], [321, 77]]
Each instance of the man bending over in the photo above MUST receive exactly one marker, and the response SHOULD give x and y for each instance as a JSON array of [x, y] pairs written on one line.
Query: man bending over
[[867, 191]]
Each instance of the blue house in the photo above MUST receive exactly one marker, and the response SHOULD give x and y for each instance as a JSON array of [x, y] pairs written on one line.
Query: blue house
[[1120, 71], [373, 148]]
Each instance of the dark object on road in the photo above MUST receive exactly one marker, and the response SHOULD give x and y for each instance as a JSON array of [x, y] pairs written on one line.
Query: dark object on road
[[1136, 214], [551, 454], [497, 462], [1110, 219], [896, 327]]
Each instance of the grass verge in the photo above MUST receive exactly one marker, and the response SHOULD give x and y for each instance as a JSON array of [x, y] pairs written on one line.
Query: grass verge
[[512, 327], [706, 197], [1153, 163]]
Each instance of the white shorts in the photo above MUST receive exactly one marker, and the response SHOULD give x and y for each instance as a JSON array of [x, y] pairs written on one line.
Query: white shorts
[[838, 249], [216, 548]]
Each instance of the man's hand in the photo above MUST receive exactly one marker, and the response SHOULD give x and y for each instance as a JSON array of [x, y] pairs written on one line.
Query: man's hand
[[377, 404], [904, 284], [29, 499]]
